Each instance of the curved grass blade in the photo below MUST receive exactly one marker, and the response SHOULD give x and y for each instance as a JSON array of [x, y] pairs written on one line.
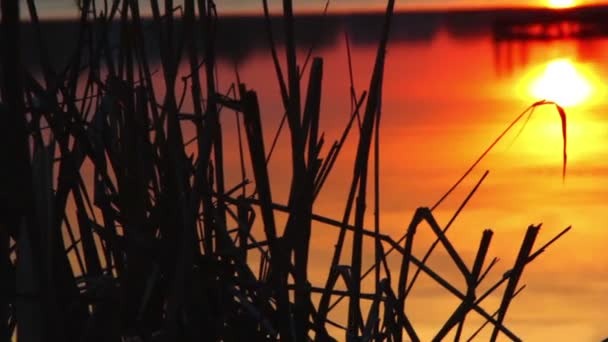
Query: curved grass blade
[[562, 114]]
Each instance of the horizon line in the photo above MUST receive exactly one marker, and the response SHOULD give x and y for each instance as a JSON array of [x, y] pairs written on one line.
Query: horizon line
[[375, 10]]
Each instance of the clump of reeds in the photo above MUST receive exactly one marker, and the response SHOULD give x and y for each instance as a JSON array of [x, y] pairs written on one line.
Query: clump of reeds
[[111, 231]]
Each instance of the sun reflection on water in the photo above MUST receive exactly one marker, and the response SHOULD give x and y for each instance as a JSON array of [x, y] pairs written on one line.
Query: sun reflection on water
[[563, 82], [579, 89]]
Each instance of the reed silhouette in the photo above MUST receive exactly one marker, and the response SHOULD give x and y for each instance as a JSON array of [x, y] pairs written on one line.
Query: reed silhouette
[[111, 231]]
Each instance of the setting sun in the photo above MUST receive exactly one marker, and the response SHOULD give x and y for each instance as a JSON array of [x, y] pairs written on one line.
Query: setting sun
[[561, 3], [563, 83]]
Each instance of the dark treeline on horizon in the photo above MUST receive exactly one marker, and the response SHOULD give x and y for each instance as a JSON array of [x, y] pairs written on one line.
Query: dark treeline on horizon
[[241, 36]]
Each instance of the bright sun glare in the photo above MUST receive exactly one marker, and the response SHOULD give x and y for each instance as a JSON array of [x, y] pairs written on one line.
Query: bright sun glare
[[562, 83], [561, 3]]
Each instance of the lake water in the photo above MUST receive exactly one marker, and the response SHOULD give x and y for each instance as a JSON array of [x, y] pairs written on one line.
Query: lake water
[[449, 90], [447, 95]]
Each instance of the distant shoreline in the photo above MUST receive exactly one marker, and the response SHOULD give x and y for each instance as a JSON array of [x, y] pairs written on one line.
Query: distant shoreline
[[339, 12], [240, 36]]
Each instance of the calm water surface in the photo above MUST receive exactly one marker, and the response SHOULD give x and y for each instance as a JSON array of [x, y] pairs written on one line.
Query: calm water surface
[[447, 95], [449, 90]]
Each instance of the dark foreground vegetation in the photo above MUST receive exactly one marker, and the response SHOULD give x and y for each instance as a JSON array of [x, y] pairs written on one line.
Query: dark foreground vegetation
[[111, 231]]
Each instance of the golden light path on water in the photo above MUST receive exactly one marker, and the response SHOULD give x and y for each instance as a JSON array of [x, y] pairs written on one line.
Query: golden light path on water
[[574, 86], [562, 82]]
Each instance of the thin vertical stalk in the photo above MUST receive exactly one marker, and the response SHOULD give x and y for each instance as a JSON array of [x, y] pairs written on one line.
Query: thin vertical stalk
[[16, 197], [5, 287], [208, 22], [520, 263], [362, 160], [256, 148], [377, 244]]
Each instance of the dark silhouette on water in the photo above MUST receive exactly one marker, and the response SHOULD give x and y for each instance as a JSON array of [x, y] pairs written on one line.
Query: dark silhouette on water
[[241, 36], [547, 24], [112, 231]]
